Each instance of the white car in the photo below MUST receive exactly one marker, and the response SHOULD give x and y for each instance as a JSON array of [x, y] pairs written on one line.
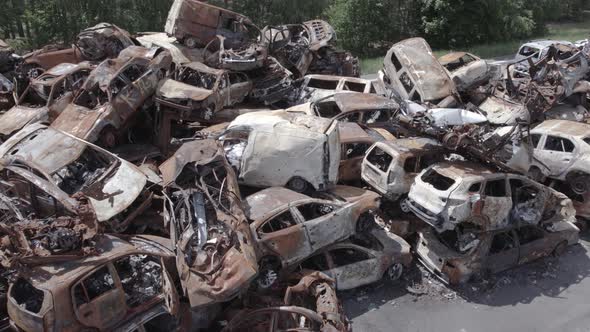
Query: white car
[[537, 49], [562, 152], [448, 195]]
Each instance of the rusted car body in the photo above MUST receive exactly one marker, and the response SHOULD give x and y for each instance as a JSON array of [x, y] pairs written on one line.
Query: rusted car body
[[366, 109], [310, 304], [45, 97], [112, 96], [215, 256], [272, 84], [197, 88], [411, 70], [467, 70], [288, 226], [196, 23], [114, 187], [279, 148], [363, 259], [355, 141], [390, 167], [562, 152], [96, 43], [316, 87], [468, 195], [491, 252], [125, 279]]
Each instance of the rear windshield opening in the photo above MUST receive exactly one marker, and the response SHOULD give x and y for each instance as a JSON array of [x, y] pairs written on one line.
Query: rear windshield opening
[[27, 296], [353, 86], [437, 180], [322, 84], [379, 158]]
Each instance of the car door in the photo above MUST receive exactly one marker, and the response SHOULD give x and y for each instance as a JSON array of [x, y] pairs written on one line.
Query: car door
[[557, 153], [533, 243], [528, 200], [496, 203], [284, 236], [325, 222], [240, 86], [503, 252], [99, 299], [353, 266], [351, 160]]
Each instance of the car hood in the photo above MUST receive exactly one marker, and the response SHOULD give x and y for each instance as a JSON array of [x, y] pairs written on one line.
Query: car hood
[[19, 116], [171, 89]]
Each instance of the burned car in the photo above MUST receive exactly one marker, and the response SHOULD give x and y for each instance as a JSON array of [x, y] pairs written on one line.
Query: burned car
[[112, 96], [366, 109], [43, 178], [96, 43], [195, 23], [363, 259], [45, 97], [278, 148], [288, 226], [315, 87], [215, 256], [197, 88], [308, 48], [310, 303], [562, 152], [125, 279], [456, 260], [467, 70], [390, 167], [356, 140], [412, 71], [463, 194]]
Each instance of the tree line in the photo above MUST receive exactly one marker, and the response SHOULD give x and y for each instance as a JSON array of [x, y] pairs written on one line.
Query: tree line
[[365, 27]]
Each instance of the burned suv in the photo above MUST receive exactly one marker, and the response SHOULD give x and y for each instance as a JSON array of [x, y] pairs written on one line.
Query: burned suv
[[447, 195]]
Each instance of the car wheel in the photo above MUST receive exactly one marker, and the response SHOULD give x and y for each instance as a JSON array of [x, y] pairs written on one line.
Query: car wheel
[[535, 174], [580, 183], [560, 249], [394, 272], [298, 184], [191, 42], [267, 276], [365, 221], [403, 205], [108, 137]]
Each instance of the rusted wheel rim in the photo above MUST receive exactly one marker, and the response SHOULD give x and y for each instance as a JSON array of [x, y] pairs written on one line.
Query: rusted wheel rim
[[395, 271], [267, 278]]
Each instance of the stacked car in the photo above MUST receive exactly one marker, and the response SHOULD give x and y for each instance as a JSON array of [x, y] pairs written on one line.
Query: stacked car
[[224, 177]]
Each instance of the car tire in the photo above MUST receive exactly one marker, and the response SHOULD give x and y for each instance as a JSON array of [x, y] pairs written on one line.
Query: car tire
[[394, 272], [268, 274], [579, 182], [365, 222], [404, 206], [560, 249], [190, 42], [535, 174], [298, 184]]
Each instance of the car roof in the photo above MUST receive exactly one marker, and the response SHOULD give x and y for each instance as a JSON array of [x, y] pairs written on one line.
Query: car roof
[[267, 200], [453, 56], [337, 78], [60, 272], [569, 128], [351, 132], [463, 169], [542, 43], [413, 145], [198, 66], [350, 102]]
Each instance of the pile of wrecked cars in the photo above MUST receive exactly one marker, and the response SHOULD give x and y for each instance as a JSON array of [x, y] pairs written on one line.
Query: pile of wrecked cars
[[223, 177]]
